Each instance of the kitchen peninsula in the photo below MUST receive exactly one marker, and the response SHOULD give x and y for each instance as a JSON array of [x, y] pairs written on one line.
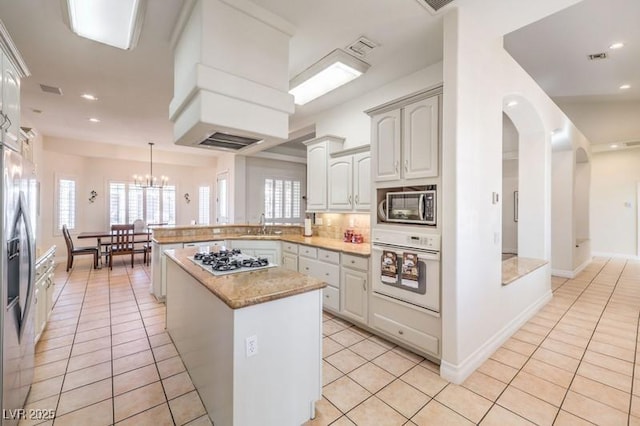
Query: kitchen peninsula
[[242, 336]]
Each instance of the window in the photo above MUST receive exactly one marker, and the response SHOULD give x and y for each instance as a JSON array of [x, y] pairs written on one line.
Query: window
[[282, 200], [128, 202], [222, 201], [66, 203], [204, 204]]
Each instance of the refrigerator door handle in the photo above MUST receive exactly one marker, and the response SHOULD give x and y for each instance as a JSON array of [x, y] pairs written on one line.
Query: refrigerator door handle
[[21, 213]]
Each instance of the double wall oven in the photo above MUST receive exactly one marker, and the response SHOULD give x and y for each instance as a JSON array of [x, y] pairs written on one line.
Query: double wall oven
[[406, 267]]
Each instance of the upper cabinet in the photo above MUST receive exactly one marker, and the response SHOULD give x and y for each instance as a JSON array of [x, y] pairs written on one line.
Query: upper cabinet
[[405, 138], [318, 151], [350, 180], [13, 69]]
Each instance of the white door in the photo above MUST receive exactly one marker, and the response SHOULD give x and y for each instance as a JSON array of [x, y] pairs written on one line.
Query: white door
[[340, 184], [222, 200], [317, 177], [290, 261], [385, 139], [420, 139], [362, 181]]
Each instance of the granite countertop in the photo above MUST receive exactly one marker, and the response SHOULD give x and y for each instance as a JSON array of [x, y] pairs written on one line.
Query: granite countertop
[[516, 267], [247, 288], [363, 249]]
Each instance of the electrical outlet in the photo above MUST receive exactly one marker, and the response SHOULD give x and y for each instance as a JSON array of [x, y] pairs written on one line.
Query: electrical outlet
[[252, 346], [318, 221], [216, 230]]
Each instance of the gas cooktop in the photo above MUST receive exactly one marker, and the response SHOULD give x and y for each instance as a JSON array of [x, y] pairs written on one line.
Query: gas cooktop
[[226, 262]]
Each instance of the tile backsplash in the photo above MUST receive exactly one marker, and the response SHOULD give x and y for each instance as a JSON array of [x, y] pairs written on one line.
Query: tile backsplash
[[335, 224]]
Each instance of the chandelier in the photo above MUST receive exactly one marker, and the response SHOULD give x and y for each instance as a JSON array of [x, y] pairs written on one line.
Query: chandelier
[[150, 181]]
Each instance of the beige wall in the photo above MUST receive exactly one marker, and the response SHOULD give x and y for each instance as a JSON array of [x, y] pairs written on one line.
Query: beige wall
[[57, 159]]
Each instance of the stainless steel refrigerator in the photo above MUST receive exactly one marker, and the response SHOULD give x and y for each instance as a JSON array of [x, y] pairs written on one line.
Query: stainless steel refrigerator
[[17, 269]]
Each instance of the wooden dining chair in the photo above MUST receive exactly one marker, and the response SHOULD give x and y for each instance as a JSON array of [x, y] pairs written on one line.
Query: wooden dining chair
[[121, 243], [77, 251]]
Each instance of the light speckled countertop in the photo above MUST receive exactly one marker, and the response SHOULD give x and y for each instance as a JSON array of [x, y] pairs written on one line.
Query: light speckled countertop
[[516, 267], [247, 288], [363, 249]]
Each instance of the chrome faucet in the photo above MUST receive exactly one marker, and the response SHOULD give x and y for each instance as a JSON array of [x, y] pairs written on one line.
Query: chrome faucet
[[263, 223]]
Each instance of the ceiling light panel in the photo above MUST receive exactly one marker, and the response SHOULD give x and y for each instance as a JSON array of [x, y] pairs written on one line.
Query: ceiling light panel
[[329, 73], [89, 97], [615, 46], [625, 87], [115, 23]]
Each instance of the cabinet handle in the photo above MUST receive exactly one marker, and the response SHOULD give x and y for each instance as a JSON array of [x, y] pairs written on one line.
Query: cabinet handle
[[364, 285], [406, 165], [326, 295], [4, 121], [400, 332], [326, 274], [350, 200], [306, 268], [396, 165], [353, 261], [357, 200]]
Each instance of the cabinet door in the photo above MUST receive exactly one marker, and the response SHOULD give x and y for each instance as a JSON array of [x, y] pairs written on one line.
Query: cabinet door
[[420, 136], [317, 177], [385, 138], [353, 287], [10, 105], [362, 181], [290, 261], [271, 254], [340, 184]]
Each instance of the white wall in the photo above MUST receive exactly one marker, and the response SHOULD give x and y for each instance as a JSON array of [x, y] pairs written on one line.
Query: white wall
[[257, 170], [349, 120], [614, 183], [478, 312], [94, 173], [509, 225], [562, 213]]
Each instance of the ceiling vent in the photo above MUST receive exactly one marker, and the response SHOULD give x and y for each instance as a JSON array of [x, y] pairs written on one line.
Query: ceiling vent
[[434, 6], [227, 141], [361, 47], [597, 56], [51, 89]]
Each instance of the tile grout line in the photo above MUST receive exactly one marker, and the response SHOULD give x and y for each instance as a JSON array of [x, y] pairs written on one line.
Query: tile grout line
[[546, 336], [635, 358], [590, 339]]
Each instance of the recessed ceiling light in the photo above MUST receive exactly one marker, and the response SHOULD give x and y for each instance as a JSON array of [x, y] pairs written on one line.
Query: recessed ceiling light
[[614, 146], [625, 87], [512, 103], [94, 120], [89, 97], [616, 46]]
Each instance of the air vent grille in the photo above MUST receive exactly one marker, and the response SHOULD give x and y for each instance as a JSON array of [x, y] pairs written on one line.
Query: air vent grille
[[362, 46], [634, 143], [436, 4], [224, 140], [51, 89], [597, 56]]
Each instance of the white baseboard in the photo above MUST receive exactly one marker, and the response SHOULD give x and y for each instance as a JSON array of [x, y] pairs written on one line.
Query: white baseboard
[[563, 273], [459, 373], [615, 255]]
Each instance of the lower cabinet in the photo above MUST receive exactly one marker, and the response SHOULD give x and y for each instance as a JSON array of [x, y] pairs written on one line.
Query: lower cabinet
[[414, 326], [259, 248], [159, 269], [290, 261], [353, 288], [43, 292]]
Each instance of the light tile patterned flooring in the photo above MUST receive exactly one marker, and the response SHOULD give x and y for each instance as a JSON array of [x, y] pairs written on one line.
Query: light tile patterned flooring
[[105, 358]]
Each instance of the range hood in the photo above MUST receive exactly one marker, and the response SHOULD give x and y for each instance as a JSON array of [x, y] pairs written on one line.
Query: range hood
[[231, 77]]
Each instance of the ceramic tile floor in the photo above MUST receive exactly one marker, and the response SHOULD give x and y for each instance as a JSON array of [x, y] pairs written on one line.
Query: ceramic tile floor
[[105, 358]]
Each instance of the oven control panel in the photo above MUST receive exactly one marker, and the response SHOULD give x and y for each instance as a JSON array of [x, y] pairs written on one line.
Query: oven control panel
[[407, 239]]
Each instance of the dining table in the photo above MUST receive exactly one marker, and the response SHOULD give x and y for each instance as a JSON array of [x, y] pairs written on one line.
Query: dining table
[[99, 235]]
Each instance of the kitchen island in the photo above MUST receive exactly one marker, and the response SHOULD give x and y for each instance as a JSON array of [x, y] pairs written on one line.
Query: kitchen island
[[251, 342]]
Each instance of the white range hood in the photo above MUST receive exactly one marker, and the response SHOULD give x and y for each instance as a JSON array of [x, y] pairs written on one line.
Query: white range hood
[[231, 77]]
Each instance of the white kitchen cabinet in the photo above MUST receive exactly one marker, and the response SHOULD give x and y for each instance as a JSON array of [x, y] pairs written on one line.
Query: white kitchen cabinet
[[290, 256], [324, 265], [43, 294], [159, 269], [318, 151], [405, 139], [420, 138], [350, 180], [9, 103], [385, 143], [354, 283]]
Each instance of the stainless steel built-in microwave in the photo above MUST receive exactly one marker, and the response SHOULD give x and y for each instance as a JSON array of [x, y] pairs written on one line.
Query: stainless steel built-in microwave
[[416, 207]]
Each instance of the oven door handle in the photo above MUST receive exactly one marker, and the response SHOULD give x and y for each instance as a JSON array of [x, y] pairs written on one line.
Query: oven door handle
[[422, 254], [421, 207]]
